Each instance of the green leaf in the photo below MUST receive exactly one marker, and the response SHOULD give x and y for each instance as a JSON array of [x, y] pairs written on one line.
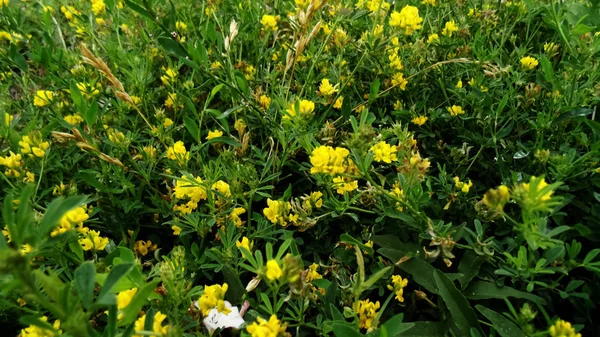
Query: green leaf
[[76, 249], [375, 277], [426, 329], [117, 272], [138, 9], [236, 288], [192, 127], [469, 267], [57, 208], [18, 59], [479, 290], [547, 69], [462, 316], [172, 47], [77, 98], [224, 140], [504, 326], [578, 112], [394, 326], [85, 280], [131, 312], [421, 271], [91, 114], [345, 330], [374, 90], [347, 238]]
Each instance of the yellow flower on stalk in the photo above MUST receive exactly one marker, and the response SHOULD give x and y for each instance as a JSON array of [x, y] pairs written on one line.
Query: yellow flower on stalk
[[244, 243], [269, 22], [171, 99], [428, 2], [73, 219], [189, 188], [3, 3], [69, 12], [181, 26], [37, 331], [455, 110], [366, 311], [343, 185], [326, 159], [143, 247], [98, 7], [124, 298], [464, 187], [8, 118], [278, 212], [264, 101], [213, 297], [398, 285], [178, 152], [271, 328], [169, 76], [562, 329], [420, 120], [93, 240], [385, 152], [540, 186], [176, 230], [32, 145], [398, 194], [449, 28], [214, 134], [305, 109], [167, 122], [216, 65], [88, 90], [221, 187], [115, 136], [459, 84], [235, 216], [433, 38], [338, 103], [398, 80], [529, 63], [312, 273], [73, 119], [157, 326], [29, 177], [326, 89], [43, 98], [274, 272], [408, 19]]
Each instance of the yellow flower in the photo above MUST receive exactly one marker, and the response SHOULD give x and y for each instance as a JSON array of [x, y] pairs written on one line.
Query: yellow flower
[[271, 328], [459, 84], [420, 120], [312, 273], [169, 76], [278, 211], [214, 134], [124, 298], [176, 230], [143, 247], [189, 188], [529, 63], [305, 108], [449, 28], [398, 195], [157, 326], [171, 99], [235, 216], [314, 199], [562, 329], [213, 298], [273, 270], [222, 187], [178, 152], [167, 122], [3, 3], [326, 159], [73, 119], [93, 240], [70, 220], [181, 26], [115, 136], [398, 80], [428, 2], [98, 7], [455, 110], [264, 101], [33, 146], [88, 90], [269, 22], [245, 243], [544, 197], [8, 118], [367, 311], [398, 284], [385, 152], [216, 65], [150, 151], [69, 12], [338, 103], [433, 38], [43, 98], [29, 177], [343, 185], [408, 19], [36, 331], [496, 198], [464, 187], [326, 89]]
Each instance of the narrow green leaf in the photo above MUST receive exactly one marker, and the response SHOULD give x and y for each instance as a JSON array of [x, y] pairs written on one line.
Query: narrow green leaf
[[224, 140], [345, 330], [462, 316], [131, 312], [192, 127], [92, 114], [426, 329], [172, 47], [469, 267], [375, 277], [85, 280], [77, 98], [141, 10], [504, 326], [421, 271], [479, 290], [114, 276]]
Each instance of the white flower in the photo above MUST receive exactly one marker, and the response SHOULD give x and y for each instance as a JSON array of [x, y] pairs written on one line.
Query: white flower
[[217, 320]]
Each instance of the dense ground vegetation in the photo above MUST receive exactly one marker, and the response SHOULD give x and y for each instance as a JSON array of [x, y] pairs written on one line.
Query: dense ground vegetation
[[304, 168]]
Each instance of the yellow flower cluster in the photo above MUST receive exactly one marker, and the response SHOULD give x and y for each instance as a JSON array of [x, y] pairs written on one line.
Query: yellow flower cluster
[[279, 212], [93, 240], [269, 22], [344, 184], [37, 331], [73, 119], [385, 152], [397, 286], [214, 134], [562, 329], [326, 159], [73, 219], [178, 152], [419, 120], [529, 63], [188, 188], [169, 76], [263, 328], [234, 216], [540, 186], [98, 7], [115, 136], [464, 187], [264, 101], [305, 109], [449, 28], [13, 164], [244, 243], [312, 273], [366, 311], [33, 145], [157, 326], [326, 89], [43, 98], [88, 90], [273, 272], [143, 247], [455, 110], [495, 199], [315, 199], [398, 194], [399, 81], [213, 298], [408, 19]]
